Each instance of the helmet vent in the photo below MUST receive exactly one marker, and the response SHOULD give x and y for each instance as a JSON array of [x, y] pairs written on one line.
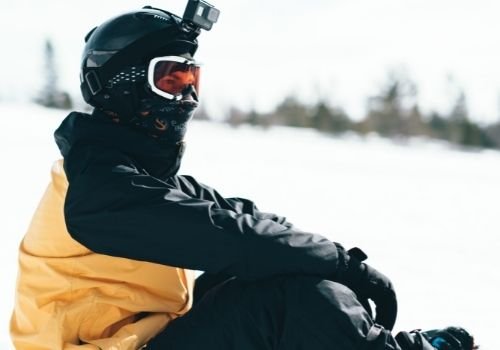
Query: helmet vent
[[131, 74]]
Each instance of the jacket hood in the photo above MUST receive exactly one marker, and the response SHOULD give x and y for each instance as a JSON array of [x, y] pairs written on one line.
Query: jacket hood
[[80, 130]]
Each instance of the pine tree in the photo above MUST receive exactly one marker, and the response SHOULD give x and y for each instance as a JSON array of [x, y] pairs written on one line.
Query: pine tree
[[330, 119], [388, 111], [50, 95], [292, 113]]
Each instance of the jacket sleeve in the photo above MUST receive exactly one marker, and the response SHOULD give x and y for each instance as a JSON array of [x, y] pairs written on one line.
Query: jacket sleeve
[[118, 210], [236, 204]]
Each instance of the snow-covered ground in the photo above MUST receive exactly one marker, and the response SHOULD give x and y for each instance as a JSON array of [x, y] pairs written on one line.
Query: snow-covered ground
[[426, 214]]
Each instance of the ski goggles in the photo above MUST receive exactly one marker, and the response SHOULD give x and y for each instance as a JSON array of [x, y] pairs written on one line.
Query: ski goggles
[[170, 76]]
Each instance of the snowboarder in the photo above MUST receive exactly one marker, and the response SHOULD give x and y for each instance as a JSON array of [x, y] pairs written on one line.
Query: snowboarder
[[108, 260]]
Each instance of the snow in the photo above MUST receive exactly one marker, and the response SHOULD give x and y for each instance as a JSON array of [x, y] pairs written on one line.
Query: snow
[[423, 211]]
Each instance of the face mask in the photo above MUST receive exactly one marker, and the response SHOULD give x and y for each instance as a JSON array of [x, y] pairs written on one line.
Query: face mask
[[164, 120], [170, 100]]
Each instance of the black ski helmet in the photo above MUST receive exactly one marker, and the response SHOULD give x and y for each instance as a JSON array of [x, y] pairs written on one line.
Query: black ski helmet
[[127, 40]]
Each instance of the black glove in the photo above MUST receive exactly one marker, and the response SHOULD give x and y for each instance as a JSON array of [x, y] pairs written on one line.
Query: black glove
[[368, 283], [450, 338]]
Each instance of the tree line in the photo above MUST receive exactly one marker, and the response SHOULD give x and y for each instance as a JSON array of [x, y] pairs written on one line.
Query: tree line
[[392, 112]]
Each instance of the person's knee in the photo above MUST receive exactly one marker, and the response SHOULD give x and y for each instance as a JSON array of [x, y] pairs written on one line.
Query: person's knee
[[327, 300], [331, 309], [318, 289]]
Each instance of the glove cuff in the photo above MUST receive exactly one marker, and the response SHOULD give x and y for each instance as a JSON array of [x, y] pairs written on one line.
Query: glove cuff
[[357, 254], [348, 261], [413, 340]]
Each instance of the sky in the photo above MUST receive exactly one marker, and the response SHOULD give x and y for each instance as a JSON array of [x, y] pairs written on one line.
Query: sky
[[425, 213], [259, 52]]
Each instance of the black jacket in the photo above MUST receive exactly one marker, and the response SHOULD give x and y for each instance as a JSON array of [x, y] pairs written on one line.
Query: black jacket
[[125, 200]]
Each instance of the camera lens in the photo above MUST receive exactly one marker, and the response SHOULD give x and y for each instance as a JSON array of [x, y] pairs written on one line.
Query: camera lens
[[213, 15]]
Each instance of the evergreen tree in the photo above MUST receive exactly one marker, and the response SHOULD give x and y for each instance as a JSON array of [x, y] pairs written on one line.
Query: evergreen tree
[[462, 130], [414, 124], [292, 113], [255, 118], [388, 109], [236, 117], [458, 119], [493, 134], [325, 118], [50, 95], [438, 126]]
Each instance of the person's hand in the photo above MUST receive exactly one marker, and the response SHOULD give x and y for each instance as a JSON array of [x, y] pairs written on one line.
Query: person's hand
[[450, 338], [368, 283]]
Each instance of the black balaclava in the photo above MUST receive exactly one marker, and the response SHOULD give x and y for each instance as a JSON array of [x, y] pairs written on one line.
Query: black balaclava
[[135, 105]]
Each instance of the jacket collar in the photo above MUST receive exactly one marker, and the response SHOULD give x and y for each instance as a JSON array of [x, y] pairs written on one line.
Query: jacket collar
[[83, 130]]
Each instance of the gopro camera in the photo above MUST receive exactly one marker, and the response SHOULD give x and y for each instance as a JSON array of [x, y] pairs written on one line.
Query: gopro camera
[[201, 14]]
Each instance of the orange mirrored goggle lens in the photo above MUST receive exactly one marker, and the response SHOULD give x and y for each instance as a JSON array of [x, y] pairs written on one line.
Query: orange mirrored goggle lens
[[174, 77]]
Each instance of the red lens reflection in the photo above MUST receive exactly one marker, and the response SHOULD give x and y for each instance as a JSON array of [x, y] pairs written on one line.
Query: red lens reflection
[[174, 77]]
